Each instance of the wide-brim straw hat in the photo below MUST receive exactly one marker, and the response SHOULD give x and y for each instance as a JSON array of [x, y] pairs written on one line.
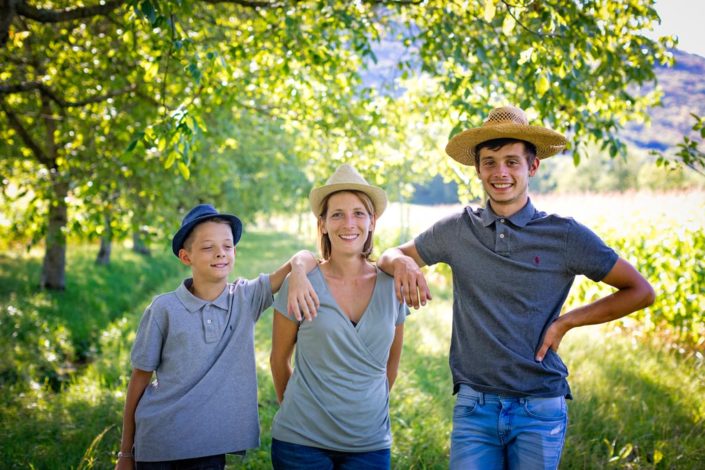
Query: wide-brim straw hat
[[505, 122], [346, 178]]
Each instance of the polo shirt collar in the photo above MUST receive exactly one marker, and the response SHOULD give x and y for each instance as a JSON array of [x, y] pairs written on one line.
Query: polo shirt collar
[[520, 219], [193, 303]]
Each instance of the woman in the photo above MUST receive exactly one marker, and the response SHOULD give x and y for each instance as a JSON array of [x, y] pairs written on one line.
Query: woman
[[334, 410]]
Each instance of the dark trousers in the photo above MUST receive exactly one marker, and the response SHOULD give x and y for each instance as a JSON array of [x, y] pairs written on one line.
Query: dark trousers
[[212, 462]]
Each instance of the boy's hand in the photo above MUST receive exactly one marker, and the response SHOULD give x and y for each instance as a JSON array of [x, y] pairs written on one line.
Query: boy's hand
[[302, 301], [125, 463]]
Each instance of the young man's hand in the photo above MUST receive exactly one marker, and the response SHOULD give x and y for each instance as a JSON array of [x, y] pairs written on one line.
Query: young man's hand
[[410, 283], [552, 339], [405, 263]]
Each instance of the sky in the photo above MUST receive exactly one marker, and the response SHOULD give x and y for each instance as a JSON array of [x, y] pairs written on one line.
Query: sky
[[685, 19]]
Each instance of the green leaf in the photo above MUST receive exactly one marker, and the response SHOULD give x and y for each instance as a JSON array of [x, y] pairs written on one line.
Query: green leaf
[[508, 24], [525, 56], [184, 170], [148, 11], [170, 159], [195, 72], [490, 10], [136, 138], [541, 85], [576, 157]]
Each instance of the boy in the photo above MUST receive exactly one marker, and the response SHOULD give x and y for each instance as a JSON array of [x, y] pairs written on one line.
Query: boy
[[199, 340]]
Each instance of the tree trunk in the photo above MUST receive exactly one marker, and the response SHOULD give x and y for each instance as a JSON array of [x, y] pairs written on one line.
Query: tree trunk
[[54, 267], [106, 242], [138, 243]]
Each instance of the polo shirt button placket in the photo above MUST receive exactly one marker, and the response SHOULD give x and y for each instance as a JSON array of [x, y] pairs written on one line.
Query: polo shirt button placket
[[502, 240], [209, 326]]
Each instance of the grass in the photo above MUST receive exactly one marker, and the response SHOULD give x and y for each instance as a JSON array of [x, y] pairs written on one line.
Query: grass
[[636, 405]]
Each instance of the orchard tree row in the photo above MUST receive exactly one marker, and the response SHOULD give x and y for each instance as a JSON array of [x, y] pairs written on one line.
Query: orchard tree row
[[116, 117]]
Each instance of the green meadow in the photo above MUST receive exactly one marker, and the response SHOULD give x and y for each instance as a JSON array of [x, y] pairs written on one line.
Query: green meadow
[[638, 384]]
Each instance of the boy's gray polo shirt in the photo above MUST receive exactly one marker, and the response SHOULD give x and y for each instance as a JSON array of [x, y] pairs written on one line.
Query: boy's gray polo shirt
[[204, 401], [511, 277]]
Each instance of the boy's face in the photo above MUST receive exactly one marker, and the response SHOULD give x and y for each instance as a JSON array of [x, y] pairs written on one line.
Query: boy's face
[[211, 252], [505, 176]]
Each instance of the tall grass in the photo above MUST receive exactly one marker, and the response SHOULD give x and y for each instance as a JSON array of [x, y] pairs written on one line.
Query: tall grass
[[637, 404]]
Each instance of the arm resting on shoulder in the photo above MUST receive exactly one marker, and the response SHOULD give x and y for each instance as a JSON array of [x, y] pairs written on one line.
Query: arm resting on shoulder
[[395, 355], [138, 382], [283, 341], [405, 263], [633, 293], [305, 301]]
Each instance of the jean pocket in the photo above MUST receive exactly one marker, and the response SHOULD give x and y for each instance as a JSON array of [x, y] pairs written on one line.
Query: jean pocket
[[464, 406], [547, 409]]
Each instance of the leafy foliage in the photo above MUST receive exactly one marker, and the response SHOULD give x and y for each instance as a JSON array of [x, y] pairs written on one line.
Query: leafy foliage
[[131, 112], [668, 261], [690, 151]]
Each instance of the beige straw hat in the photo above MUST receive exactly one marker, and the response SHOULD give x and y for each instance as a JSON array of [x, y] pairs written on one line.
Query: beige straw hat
[[346, 178], [505, 122]]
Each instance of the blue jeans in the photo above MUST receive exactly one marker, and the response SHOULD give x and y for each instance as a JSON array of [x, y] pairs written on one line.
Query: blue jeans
[[502, 432], [288, 456]]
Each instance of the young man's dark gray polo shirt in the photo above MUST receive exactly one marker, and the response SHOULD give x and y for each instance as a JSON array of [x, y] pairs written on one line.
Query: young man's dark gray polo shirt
[[205, 402], [511, 276]]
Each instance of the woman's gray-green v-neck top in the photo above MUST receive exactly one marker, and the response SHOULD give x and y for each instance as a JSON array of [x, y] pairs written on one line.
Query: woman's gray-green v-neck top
[[338, 396]]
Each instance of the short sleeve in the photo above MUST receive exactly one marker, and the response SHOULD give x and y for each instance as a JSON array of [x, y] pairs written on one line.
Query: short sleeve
[[402, 313], [281, 300], [147, 349], [433, 244], [259, 292], [587, 254]]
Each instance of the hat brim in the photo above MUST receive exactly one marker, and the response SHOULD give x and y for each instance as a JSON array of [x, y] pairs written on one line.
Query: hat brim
[[547, 142], [377, 195], [178, 241]]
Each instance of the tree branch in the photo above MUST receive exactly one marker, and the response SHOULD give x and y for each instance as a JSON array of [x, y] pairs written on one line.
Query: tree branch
[[16, 124], [49, 93], [97, 99], [395, 2], [19, 87], [537, 33], [44, 15], [248, 3]]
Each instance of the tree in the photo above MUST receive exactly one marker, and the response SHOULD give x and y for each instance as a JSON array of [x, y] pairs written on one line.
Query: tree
[[172, 68], [169, 81]]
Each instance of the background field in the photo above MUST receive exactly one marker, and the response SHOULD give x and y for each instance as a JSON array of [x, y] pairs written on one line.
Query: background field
[[636, 384]]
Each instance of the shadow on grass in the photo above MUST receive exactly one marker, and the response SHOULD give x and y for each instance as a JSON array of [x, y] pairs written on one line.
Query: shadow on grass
[[55, 334], [55, 432]]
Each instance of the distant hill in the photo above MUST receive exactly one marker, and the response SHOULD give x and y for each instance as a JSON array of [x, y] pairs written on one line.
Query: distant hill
[[684, 93]]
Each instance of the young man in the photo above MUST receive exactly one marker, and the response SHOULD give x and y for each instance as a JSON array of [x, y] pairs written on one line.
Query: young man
[[513, 267]]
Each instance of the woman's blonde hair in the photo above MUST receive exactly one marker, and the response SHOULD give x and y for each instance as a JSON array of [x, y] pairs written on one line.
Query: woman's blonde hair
[[324, 240]]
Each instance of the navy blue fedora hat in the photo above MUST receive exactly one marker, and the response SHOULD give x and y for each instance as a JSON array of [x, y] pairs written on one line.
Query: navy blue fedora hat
[[195, 216]]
